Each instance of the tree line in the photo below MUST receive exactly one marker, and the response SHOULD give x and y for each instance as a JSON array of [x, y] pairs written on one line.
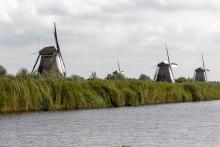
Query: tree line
[[23, 72]]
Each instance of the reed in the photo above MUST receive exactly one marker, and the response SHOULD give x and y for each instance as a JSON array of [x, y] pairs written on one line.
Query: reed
[[26, 93]]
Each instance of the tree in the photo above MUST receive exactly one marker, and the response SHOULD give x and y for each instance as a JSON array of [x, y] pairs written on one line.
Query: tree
[[144, 77], [93, 76], [3, 71], [181, 80]]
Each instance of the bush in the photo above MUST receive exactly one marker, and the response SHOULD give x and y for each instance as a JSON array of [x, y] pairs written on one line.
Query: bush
[[76, 78], [183, 80], [144, 77], [93, 76]]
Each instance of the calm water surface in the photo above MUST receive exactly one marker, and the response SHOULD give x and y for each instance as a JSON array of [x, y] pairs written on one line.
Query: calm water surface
[[185, 124]]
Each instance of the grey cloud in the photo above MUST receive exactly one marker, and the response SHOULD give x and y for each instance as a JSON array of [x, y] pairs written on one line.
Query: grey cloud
[[52, 9], [173, 5], [133, 31]]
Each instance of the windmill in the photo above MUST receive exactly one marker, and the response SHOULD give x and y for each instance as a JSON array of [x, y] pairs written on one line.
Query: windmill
[[200, 73], [117, 74], [164, 71], [119, 68], [51, 59]]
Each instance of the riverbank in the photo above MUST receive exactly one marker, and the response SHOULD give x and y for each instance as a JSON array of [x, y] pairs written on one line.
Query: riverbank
[[18, 94]]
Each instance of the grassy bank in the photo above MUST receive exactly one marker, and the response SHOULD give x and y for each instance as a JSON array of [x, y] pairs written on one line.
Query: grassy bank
[[29, 94]]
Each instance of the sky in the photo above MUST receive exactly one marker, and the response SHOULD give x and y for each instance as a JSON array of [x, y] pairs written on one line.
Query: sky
[[93, 33]]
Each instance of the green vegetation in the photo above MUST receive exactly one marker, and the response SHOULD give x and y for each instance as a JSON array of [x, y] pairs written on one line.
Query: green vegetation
[[75, 78], [34, 93], [115, 76], [3, 70], [22, 72], [93, 76], [144, 77], [183, 80]]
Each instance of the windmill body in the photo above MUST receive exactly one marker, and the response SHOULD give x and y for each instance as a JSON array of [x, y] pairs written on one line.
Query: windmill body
[[200, 75], [164, 71], [50, 59]]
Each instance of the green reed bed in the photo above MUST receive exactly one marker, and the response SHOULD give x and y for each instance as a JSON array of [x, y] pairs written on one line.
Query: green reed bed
[[30, 94]]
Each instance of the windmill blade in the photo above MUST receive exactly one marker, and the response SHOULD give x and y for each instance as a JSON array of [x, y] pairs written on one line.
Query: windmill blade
[[168, 57], [60, 55], [174, 65], [55, 36], [37, 48], [35, 64], [58, 47], [203, 63], [208, 70], [33, 53], [38, 44], [194, 76], [155, 75], [122, 72], [119, 68]]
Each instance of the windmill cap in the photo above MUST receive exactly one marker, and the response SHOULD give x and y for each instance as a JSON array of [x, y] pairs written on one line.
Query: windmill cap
[[163, 64], [50, 50], [200, 69]]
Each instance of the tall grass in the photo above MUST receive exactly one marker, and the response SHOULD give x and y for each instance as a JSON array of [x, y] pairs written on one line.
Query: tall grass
[[32, 94]]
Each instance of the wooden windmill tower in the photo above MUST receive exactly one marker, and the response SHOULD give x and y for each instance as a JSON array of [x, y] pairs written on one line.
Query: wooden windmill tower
[[200, 73], [164, 71], [51, 59]]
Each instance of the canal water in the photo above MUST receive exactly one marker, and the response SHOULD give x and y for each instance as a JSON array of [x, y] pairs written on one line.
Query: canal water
[[184, 125]]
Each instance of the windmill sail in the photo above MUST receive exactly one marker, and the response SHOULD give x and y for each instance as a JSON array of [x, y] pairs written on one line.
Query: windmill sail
[[35, 63], [155, 75], [58, 48], [203, 64], [119, 68], [168, 57], [55, 36]]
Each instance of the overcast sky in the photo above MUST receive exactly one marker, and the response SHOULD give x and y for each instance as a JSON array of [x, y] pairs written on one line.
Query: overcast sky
[[94, 33]]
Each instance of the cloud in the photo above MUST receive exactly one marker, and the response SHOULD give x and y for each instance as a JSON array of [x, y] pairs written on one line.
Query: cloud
[[6, 9], [94, 33]]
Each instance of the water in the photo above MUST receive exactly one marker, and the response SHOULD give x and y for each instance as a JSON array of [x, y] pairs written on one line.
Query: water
[[185, 124]]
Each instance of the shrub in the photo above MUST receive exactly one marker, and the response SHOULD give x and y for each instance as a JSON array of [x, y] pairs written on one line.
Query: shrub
[[93, 76], [76, 78], [144, 77]]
